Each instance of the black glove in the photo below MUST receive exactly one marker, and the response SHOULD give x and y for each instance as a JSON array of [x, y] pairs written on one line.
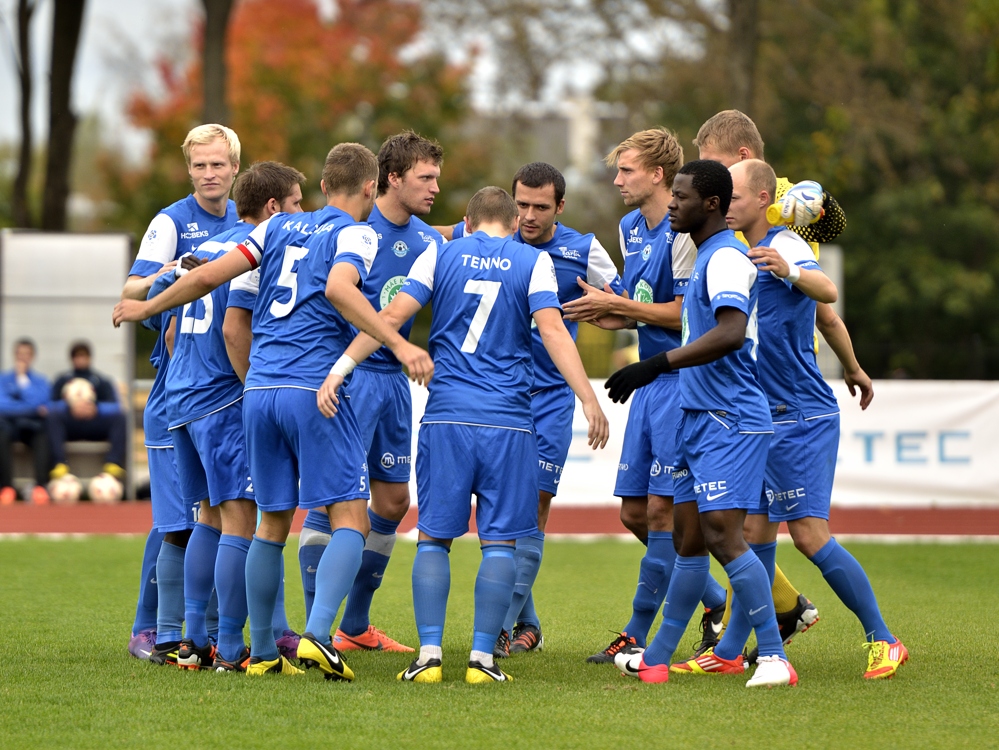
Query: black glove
[[623, 383]]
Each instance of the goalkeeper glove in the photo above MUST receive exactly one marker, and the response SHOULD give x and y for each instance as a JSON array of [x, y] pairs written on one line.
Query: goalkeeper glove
[[623, 383], [802, 204]]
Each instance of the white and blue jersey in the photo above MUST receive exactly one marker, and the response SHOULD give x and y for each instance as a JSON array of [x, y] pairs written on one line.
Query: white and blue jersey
[[724, 276], [484, 291], [179, 228], [657, 265]]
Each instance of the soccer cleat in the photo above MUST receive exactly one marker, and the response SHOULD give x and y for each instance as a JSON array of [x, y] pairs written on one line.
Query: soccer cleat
[[141, 644], [221, 665], [8, 495], [708, 663], [711, 629], [114, 470], [478, 674], [416, 672], [526, 638], [771, 671], [190, 656], [502, 648], [633, 665], [280, 665], [40, 495], [312, 653], [884, 659], [164, 653], [371, 639], [624, 643], [798, 620], [288, 644], [59, 471]]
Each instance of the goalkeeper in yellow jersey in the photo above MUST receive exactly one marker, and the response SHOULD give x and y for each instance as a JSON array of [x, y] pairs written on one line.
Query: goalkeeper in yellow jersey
[[729, 137]]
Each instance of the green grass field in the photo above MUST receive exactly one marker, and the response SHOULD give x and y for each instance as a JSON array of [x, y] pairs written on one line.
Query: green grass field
[[66, 681]]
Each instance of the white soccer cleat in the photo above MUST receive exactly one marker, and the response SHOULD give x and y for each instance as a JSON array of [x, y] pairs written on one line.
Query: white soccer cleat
[[772, 671], [628, 663]]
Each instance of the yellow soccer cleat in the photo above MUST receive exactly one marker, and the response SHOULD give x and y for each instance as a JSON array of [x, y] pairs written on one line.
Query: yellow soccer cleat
[[312, 653], [884, 659], [708, 663], [273, 666], [478, 674], [427, 673]]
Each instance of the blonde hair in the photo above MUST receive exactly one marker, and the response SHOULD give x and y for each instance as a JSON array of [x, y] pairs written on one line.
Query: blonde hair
[[728, 131], [348, 166], [656, 147], [205, 134]]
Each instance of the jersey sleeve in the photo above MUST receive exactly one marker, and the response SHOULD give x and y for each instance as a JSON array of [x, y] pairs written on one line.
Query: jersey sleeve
[[420, 283], [795, 252], [684, 257], [253, 246], [542, 291], [600, 269], [730, 277], [243, 290], [159, 246], [162, 282], [458, 231], [357, 245]]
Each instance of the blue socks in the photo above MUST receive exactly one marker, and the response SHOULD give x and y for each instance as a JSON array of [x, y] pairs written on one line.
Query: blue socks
[[170, 593], [375, 558], [653, 580], [714, 594], [493, 591], [145, 608], [309, 556], [847, 578], [751, 595], [431, 586], [263, 578], [335, 574], [199, 580], [279, 622], [737, 633], [230, 583], [686, 586], [527, 561]]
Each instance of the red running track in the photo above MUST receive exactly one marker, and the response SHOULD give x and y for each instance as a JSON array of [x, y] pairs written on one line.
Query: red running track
[[135, 518]]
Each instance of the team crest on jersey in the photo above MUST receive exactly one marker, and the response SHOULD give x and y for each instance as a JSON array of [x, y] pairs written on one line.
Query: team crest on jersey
[[400, 249], [643, 292], [646, 252], [391, 288], [152, 235]]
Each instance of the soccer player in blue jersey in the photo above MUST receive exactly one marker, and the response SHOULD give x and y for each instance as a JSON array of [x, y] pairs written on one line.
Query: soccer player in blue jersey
[[805, 414], [724, 432], [212, 156], [657, 265], [204, 406], [408, 168], [477, 431], [311, 268], [539, 192]]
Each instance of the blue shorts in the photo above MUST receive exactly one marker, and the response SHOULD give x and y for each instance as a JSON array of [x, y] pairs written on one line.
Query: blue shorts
[[453, 461], [717, 466], [552, 410], [211, 457], [800, 469], [384, 409], [170, 512], [287, 439], [649, 452]]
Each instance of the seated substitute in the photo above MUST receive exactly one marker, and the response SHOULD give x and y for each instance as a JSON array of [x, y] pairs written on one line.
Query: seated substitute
[[24, 397]]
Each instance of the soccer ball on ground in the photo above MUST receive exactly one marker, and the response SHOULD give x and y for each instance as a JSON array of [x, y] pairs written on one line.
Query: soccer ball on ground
[[78, 391], [65, 490], [104, 489]]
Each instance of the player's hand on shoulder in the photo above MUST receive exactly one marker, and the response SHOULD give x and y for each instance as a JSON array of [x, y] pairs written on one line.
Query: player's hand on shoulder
[[326, 398], [768, 259], [128, 311], [802, 204], [417, 363], [860, 379], [599, 428]]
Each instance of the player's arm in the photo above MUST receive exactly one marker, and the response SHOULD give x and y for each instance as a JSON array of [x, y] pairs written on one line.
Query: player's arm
[[170, 334], [238, 338], [193, 285], [156, 252], [834, 331], [562, 349], [810, 281], [446, 232], [598, 303]]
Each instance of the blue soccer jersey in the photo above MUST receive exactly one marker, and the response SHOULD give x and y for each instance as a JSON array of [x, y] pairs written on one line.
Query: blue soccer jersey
[[788, 372], [573, 255], [657, 264], [154, 416], [398, 248], [202, 379], [297, 333], [485, 291], [724, 276]]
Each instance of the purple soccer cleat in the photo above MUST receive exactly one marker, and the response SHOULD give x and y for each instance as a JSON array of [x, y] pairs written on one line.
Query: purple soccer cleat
[[288, 644], [141, 644]]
